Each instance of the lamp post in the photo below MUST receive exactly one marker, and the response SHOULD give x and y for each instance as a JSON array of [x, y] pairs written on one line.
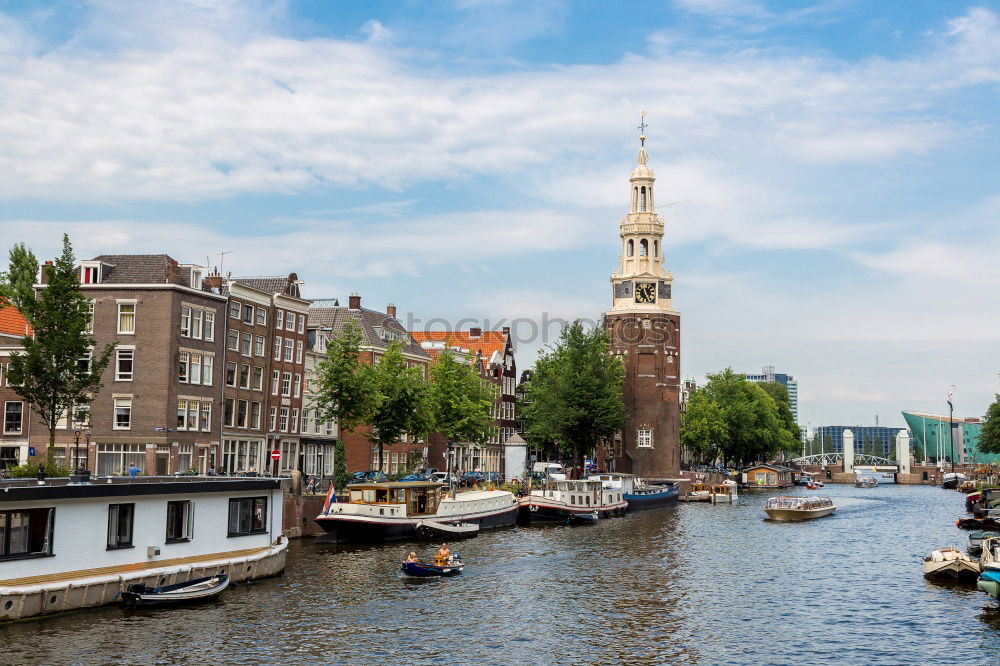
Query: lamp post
[[76, 445], [951, 430]]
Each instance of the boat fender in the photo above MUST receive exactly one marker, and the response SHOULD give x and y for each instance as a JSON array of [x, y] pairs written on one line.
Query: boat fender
[[532, 507]]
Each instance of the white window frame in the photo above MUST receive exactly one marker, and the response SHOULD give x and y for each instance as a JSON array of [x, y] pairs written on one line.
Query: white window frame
[[256, 409], [283, 419], [248, 309], [236, 374], [286, 384], [185, 321], [261, 316], [277, 348], [184, 367], [233, 337], [225, 408], [208, 327], [258, 345], [246, 348], [302, 323], [297, 385], [206, 416], [294, 419], [275, 381], [289, 350], [207, 369], [21, 412], [124, 402], [128, 350], [290, 322], [644, 438], [134, 314], [279, 319], [234, 309], [258, 378], [298, 351]]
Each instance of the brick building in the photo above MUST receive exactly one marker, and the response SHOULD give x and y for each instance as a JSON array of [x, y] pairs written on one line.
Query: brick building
[[15, 424], [492, 354], [378, 330], [318, 436], [159, 402]]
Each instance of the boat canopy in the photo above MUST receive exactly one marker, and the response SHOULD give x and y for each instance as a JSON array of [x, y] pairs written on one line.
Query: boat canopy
[[800, 503]]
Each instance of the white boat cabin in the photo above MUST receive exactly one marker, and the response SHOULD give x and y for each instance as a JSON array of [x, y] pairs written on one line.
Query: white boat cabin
[[394, 498], [586, 492], [798, 503], [623, 482]]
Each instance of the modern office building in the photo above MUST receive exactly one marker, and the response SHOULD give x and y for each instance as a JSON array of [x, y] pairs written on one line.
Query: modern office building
[[932, 441], [880, 438], [768, 374]]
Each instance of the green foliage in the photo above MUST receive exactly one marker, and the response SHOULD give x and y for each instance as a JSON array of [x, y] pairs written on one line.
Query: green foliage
[[989, 437], [340, 474], [49, 374], [703, 429], [574, 397], [779, 393], [346, 391], [401, 400], [29, 470], [460, 403]]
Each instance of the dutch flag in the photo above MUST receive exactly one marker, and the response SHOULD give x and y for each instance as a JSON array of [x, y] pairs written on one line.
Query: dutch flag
[[331, 497]]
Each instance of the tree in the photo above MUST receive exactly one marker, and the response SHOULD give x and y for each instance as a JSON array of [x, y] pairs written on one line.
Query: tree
[[989, 436], [754, 430], [574, 397], [460, 402], [828, 444], [703, 429], [59, 369], [400, 400], [340, 474], [779, 393], [346, 391]]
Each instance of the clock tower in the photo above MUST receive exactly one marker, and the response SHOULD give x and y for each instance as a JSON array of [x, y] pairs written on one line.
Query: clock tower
[[644, 332]]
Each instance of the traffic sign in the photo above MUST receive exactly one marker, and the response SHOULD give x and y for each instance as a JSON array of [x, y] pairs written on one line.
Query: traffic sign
[[275, 455]]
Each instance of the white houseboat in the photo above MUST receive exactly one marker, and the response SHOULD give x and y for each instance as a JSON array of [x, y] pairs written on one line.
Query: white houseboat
[[638, 493], [566, 500], [66, 546], [388, 511]]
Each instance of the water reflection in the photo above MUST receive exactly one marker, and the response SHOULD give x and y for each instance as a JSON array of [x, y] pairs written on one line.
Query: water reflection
[[694, 583]]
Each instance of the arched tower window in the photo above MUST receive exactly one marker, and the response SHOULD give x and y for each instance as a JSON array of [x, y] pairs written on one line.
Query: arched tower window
[[656, 248], [643, 247], [635, 199], [631, 247], [642, 199]]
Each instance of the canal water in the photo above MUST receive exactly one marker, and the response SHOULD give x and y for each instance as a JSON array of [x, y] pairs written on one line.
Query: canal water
[[691, 584]]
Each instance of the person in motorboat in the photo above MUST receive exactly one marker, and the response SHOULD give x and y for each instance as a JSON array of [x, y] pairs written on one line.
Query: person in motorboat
[[412, 557], [443, 554]]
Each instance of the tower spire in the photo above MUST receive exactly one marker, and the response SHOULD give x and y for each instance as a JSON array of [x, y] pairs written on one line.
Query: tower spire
[[642, 129]]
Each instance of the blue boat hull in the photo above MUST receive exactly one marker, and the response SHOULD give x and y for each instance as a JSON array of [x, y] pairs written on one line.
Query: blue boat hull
[[423, 570], [651, 500]]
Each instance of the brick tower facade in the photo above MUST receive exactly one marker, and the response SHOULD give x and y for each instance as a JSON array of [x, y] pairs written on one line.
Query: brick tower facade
[[644, 331]]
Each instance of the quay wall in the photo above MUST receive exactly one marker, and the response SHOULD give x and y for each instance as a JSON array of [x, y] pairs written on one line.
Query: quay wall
[[298, 517]]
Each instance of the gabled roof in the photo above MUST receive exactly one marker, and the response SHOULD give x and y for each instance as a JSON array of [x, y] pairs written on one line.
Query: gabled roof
[[335, 319], [776, 468], [142, 269], [490, 345], [12, 322], [286, 284]]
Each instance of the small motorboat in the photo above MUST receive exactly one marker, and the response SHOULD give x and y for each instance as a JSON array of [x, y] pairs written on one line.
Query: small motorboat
[[987, 523], [449, 567], [976, 538], [197, 589], [700, 492], [951, 480], [950, 563], [989, 582], [798, 508], [971, 500], [434, 529], [724, 493], [865, 482], [967, 487]]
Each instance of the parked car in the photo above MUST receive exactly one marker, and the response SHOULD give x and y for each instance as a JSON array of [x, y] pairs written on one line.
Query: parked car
[[367, 477], [470, 478], [428, 471], [416, 477], [442, 478]]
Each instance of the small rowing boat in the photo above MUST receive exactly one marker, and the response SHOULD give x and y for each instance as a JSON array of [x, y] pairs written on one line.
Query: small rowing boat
[[950, 563], [450, 567], [798, 508], [198, 589]]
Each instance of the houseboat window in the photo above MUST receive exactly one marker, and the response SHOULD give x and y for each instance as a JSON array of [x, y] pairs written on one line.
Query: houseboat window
[[180, 521], [572, 499], [120, 519], [247, 515], [367, 494], [26, 533], [399, 496], [356, 496], [381, 496]]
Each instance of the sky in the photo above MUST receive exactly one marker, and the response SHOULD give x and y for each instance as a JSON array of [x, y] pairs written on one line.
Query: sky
[[827, 171]]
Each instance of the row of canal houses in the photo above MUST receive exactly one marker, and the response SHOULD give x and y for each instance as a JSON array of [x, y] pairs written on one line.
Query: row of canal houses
[[217, 372]]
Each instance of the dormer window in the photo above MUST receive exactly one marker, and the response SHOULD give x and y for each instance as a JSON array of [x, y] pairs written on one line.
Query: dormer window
[[196, 279], [90, 272]]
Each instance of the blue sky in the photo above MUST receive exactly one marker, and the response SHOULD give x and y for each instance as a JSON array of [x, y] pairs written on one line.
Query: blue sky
[[833, 166]]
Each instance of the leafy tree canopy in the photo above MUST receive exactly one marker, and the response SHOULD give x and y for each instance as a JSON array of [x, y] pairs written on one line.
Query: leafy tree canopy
[[989, 437], [460, 401]]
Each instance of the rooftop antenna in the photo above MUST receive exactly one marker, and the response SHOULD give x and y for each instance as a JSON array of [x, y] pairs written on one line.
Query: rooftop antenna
[[222, 259], [642, 129]]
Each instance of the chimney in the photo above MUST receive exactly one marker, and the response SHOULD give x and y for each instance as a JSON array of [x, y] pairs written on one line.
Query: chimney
[[354, 302], [43, 272], [475, 332], [506, 331], [212, 281], [391, 310]]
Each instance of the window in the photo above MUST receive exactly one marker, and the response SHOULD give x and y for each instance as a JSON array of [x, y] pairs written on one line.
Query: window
[[90, 317], [208, 332], [185, 325], [656, 248], [185, 457], [241, 414], [261, 316], [305, 421], [180, 521], [90, 275], [302, 323], [183, 366], [644, 438], [123, 364], [274, 418], [182, 414], [208, 365], [290, 321], [289, 349], [258, 379], [258, 345], [123, 413], [283, 419], [197, 317], [298, 351], [229, 415], [295, 420], [248, 314], [277, 348], [297, 390], [126, 318], [245, 376], [26, 533], [275, 378], [114, 459], [230, 373], [286, 384], [643, 247], [247, 343], [642, 199], [206, 416], [234, 309], [279, 319], [247, 515], [120, 517], [234, 340], [631, 247], [255, 415], [13, 417], [187, 416], [195, 376]]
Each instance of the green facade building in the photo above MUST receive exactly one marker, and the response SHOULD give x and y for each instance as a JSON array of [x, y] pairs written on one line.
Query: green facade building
[[931, 441]]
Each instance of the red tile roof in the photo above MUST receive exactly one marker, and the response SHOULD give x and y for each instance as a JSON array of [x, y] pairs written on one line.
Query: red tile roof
[[486, 345], [11, 321]]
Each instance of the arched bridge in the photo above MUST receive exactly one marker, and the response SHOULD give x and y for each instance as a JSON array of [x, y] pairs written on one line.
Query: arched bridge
[[860, 460]]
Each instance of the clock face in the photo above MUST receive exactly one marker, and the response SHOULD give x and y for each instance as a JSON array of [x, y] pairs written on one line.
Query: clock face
[[645, 292]]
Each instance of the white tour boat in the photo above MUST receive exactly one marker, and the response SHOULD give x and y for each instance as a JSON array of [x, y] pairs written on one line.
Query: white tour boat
[[798, 508]]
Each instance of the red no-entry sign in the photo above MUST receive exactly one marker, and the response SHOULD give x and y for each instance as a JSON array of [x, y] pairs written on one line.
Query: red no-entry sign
[[275, 455]]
